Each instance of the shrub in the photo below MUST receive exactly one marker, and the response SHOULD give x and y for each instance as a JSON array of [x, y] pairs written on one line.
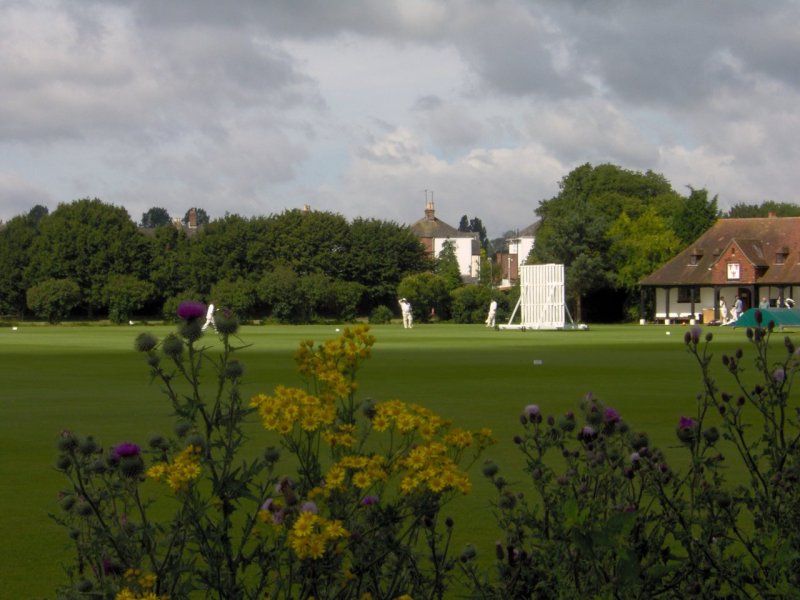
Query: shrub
[[53, 299], [354, 511], [125, 294], [605, 515], [470, 303], [238, 295], [381, 315]]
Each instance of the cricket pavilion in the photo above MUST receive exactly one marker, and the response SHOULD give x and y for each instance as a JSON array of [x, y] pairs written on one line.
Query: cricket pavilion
[[753, 258]]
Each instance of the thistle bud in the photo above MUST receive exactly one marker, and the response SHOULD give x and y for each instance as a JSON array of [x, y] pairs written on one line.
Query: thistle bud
[[145, 342], [227, 322], [711, 435], [172, 346], [87, 446], [182, 427], [63, 463], [566, 422], [468, 553], [234, 369], [490, 469], [67, 441]]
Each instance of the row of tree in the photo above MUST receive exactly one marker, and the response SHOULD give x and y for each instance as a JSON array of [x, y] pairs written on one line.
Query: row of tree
[[609, 226], [294, 265]]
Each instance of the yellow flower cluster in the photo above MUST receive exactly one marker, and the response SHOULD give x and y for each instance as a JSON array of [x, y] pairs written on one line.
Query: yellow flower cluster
[[310, 534], [290, 406], [183, 470], [344, 435], [407, 418], [429, 466], [145, 581], [461, 438], [334, 363], [363, 471], [126, 594]]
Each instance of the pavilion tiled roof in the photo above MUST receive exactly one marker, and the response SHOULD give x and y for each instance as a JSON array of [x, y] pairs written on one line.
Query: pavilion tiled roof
[[759, 240]]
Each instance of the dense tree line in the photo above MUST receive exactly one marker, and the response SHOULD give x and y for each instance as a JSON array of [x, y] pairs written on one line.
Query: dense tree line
[[295, 266], [608, 225]]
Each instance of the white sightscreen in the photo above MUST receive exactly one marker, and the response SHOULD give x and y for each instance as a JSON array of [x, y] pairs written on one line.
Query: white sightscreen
[[542, 296]]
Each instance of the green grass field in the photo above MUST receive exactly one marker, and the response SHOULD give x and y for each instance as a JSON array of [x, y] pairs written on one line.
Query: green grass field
[[89, 379]]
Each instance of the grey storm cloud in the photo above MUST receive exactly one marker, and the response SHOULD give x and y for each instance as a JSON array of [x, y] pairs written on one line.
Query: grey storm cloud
[[358, 106]]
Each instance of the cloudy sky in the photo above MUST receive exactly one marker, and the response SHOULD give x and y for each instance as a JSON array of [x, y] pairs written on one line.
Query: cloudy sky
[[368, 107]]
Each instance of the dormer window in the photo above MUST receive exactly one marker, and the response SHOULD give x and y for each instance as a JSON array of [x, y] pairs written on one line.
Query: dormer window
[[695, 256], [780, 255]]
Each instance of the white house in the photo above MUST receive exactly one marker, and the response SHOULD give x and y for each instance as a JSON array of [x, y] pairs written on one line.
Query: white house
[[433, 233]]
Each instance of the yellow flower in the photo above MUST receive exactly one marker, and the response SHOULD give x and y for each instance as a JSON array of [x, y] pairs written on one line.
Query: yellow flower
[[380, 422], [362, 480], [184, 469], [304, 524]]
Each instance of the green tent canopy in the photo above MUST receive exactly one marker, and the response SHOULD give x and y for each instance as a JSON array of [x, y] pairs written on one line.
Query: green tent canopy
[[783, 317]]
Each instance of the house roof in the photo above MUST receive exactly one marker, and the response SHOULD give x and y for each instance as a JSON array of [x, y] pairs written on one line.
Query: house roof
[[757, 241], [430, 226]]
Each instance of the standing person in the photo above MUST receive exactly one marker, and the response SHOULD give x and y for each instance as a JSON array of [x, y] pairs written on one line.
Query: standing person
[[764, 303], [210, 318], [405, 309], [737, 308], [492, 313], [723, 310]]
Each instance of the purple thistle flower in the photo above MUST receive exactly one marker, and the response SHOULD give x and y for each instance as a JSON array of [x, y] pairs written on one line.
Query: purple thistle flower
[[267, 506], [696, 332], [532, 409], [309, 507], [279, 516], [779, 374], [369, 500], [126, 449], [687, 430], [611, 416], [587, 432], [191, 309]]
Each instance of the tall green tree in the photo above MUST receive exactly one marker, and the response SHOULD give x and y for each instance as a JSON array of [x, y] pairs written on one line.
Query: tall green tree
[[156, 217], [170, 270], [447, 266], [278, 290], [696, 217], [124, 295], [238, 294], [381, 254], [223, 250], [640, 246], [87, 241], [16, 239], [309, 241], [574, 224], [475, 225]]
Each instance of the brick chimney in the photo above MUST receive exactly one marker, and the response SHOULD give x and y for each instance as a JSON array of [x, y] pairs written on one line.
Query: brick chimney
[[429, 211], [193, 218], [771, 215]]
